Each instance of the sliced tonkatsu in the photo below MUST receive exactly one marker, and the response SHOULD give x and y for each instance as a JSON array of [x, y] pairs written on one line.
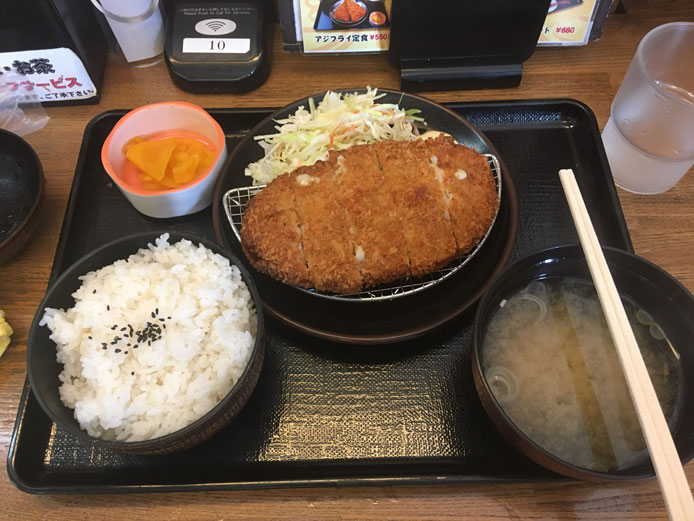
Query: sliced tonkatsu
[[379, 241], [419, 203], [371, 215], [328, 245], [271, 235], [470, 193]]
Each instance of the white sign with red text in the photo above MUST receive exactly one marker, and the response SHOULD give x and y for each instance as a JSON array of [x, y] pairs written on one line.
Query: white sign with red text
[[46, 75]]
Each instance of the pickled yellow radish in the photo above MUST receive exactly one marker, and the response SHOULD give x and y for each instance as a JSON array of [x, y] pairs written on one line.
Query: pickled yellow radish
[[185, 169], [169, 159], [152, 157]]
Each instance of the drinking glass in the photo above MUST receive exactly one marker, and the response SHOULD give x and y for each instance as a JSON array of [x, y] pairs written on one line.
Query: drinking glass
[[649, 138], [134, 29]]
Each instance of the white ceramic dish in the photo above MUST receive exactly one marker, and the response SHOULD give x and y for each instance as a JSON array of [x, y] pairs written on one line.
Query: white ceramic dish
[[149, 119]]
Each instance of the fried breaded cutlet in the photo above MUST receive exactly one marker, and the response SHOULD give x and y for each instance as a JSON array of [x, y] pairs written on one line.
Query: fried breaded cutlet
[[271, 236], [327, 241], [420, 204], [356, 12], [469, 189], [341, 13], [370, 215], [379, 242]]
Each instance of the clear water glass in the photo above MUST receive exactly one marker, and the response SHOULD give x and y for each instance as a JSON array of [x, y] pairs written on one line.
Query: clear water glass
[[649, 138]]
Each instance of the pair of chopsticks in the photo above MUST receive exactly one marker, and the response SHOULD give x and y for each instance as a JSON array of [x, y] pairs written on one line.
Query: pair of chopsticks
[[667, 464]]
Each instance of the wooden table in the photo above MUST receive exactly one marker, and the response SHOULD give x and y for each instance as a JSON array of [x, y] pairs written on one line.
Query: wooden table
[[661, 227]]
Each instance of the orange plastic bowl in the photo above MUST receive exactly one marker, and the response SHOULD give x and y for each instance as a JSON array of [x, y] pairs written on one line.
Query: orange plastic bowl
[[161, 117]]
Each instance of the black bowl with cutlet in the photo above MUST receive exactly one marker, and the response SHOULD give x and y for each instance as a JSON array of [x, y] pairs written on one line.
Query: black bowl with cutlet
[[369, 322]]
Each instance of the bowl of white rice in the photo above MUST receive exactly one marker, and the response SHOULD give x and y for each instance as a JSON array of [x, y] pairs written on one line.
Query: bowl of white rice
[[150, 344]]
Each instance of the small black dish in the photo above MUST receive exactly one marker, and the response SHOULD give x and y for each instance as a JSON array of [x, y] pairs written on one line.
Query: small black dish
[[670, 305], [21, 193], [43, 369]]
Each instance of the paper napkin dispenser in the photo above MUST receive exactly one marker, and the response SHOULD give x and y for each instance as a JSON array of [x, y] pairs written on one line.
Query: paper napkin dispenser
[[450, 45]]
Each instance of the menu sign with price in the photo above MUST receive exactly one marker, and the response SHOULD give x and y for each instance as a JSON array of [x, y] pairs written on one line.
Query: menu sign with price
[[345, 25], [568, 22]]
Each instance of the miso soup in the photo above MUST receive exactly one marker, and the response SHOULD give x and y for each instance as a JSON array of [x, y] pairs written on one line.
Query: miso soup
[[551, 365]]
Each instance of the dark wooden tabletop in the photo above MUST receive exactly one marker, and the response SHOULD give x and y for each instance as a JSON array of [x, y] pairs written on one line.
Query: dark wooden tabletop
[[661, 227]]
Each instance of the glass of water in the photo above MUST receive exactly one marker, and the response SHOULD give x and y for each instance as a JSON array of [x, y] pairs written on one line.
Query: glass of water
[[649, 138]]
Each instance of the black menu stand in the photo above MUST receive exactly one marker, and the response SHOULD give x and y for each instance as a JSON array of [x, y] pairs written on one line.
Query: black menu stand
[[464, 44]]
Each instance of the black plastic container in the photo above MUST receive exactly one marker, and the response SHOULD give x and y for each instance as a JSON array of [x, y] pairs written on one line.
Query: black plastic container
[[324, 413], [218, 70]]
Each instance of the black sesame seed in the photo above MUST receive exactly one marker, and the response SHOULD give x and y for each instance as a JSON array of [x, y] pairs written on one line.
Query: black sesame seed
[[89, 337], [104, 347], [161, 320], [136, 346], [123, 328], [164, 326], [93, 291], [103, 344], [126, 352], [117, 350], [156, 310], [108, 308], [132, 373], [169, 318], [153, 315]]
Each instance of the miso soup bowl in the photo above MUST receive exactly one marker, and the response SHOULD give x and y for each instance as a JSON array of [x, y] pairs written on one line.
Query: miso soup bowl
[[149, 119], [667, 301]]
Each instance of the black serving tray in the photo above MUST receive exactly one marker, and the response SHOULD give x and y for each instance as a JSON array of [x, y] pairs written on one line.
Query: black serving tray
[[324, 413]]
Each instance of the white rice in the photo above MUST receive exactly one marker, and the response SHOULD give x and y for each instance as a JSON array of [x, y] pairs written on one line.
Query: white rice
[[156, 388]]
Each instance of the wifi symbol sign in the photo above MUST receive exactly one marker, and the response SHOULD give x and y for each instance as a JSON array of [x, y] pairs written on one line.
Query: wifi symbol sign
[[215, 26]]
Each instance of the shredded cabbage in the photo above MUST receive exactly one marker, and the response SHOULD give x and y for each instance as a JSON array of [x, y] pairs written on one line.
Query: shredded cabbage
[[336, 123]]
